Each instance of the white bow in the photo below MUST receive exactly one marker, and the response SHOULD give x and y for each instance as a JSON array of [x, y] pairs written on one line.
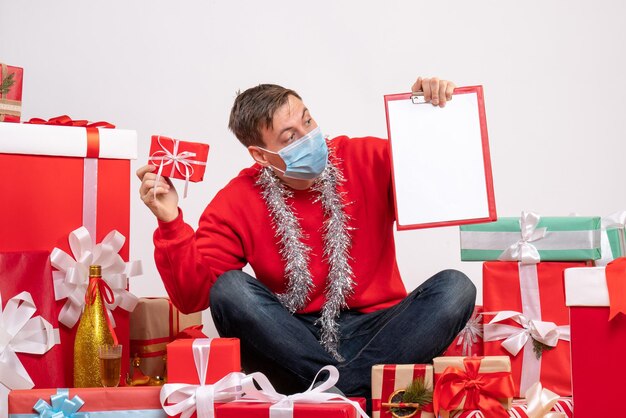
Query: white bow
[[515, 338], [72, 278], [177, 160], [615, 220], [185, 399], [470, 334], [21, 332], [283, 404], [523, 250], [539, 402]]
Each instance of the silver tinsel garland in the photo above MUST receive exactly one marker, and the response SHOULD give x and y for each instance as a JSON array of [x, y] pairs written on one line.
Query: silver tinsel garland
[[337, 243]]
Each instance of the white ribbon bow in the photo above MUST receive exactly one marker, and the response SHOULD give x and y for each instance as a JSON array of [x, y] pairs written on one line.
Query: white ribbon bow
[[21, 332], [470, 334], [616, 220], [283, 404], [185, 399], [178, 160], [539, 402], [523, 250], [515, 338], [72, 278]]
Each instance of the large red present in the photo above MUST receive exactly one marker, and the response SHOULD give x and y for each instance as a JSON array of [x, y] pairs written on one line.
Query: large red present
[[139, 402], [61, 178], [595, 297], [10, 93], [469, 342], [390, 381], [154, 323], [532, 322], [179, 159]]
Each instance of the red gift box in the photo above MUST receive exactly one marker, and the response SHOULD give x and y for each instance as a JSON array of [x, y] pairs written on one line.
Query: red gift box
[[300, 410], [10, 93], [469, 342], [387, 379], [48, 179], [179, 159], [598, 343], [223, 358], [137, 402], [531, 299]]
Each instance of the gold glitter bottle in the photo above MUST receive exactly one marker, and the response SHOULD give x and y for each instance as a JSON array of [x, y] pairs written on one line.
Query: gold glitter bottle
[[93, 331]]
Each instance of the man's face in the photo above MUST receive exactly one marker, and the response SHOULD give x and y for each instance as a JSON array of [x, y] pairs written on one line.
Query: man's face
[[291, 122]]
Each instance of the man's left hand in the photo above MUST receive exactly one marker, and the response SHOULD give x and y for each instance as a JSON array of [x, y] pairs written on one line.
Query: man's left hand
[[436, 91]]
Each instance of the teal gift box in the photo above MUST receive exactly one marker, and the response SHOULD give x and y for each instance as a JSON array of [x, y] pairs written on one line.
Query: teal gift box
[[532, 238]]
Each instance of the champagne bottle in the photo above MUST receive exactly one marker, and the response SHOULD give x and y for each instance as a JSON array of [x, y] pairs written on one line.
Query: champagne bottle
[[93, 331]]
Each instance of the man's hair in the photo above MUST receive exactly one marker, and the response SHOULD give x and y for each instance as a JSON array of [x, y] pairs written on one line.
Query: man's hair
[[254, 109]]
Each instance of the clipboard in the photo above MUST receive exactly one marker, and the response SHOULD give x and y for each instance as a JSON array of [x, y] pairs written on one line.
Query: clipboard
[[441, 168]]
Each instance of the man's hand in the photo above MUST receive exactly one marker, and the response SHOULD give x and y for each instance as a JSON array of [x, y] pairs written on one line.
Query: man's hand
[[164, 204], [436, 91]]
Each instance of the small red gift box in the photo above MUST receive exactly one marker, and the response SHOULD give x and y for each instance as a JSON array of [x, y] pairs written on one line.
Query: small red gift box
[[598, 340], [389, 379], [129, 402], [469, 342], [532, 324], [10, 93], [223, 358], [300, 410], [60, 178], [179, 159]]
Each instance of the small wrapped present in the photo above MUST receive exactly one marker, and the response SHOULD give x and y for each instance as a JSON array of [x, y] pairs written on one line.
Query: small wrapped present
[[596, 297], [469, 342], [10, 93], [526, 319], [469, 383], [179, 159], [399, 384], [85, 182], [532, 238], [131, 402], [154, 323], [222, 356]]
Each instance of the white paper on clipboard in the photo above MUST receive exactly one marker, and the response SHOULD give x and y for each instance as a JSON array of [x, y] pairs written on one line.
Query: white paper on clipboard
[[440, 158]]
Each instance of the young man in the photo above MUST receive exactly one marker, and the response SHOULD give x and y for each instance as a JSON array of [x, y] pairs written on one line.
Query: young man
[[314, 219]]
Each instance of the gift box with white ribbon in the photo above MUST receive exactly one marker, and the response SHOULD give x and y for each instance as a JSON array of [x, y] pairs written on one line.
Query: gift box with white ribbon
[[69, 183]]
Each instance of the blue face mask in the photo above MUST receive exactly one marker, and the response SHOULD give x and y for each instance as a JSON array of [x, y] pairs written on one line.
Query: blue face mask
[[305, 158]]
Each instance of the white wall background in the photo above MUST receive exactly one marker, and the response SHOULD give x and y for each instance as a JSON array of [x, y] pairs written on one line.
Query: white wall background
[[553, 73]]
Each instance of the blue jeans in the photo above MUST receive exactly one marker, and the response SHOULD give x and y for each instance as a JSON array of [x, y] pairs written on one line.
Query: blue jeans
[[285, 347]]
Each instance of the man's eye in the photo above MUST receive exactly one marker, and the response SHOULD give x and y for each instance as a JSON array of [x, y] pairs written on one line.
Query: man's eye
[[309, 121], [291, 137]]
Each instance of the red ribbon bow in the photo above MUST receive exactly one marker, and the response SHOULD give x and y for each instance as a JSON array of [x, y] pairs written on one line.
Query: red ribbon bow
[[93, 136], [65, 120], [480, 390], [616, 284], [96, 284]]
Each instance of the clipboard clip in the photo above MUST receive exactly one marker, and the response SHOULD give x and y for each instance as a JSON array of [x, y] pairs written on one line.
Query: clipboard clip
[[417, 97]]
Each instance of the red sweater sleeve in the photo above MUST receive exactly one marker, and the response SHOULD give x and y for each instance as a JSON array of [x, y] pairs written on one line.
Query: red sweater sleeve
[[189, 263]]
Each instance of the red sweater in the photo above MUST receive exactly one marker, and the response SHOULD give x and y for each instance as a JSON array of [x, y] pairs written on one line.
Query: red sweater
[[236, 229]]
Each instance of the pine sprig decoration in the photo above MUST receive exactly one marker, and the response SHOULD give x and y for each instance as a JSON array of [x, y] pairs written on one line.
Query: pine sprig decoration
[[7, 83], [539, 348], [417, 392]]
